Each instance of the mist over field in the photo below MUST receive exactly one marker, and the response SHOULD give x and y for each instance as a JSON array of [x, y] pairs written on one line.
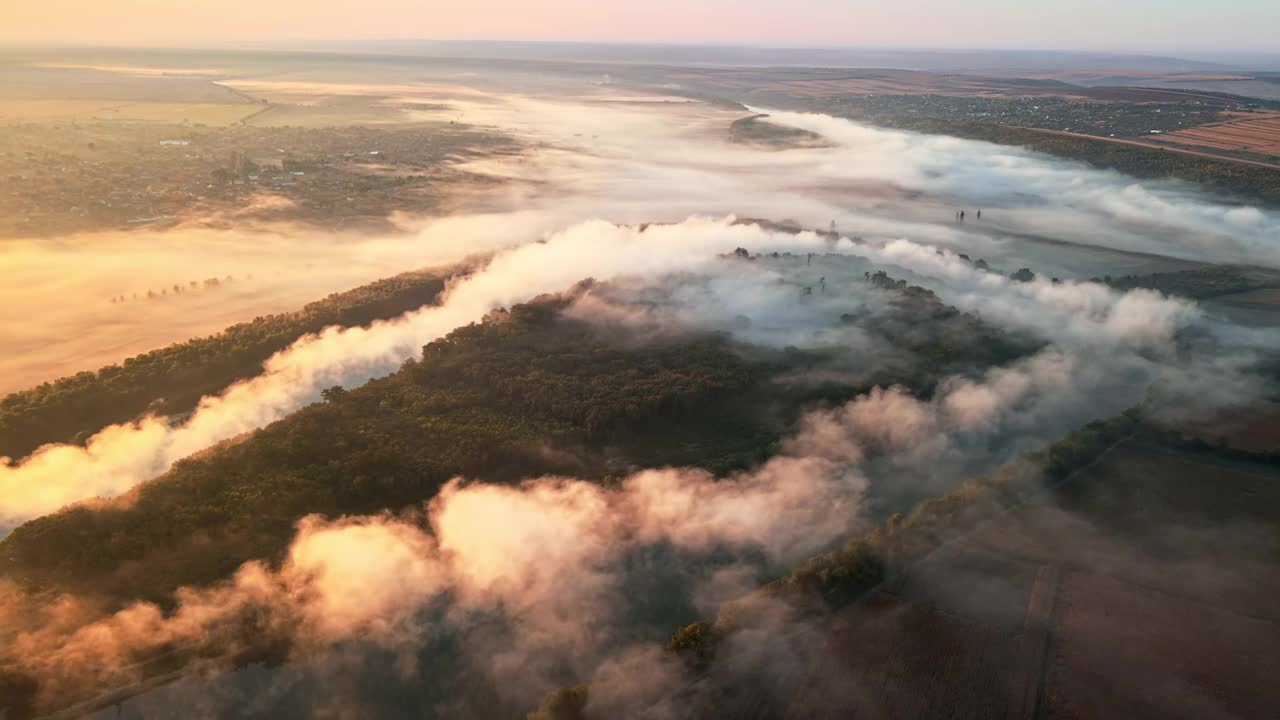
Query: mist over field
[[620, 158], [894, 348], [617, 161]]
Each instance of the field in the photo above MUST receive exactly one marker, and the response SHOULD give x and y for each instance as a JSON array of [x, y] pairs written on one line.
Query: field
[[1144, 587], [821, 82], [1254, 428], [1190, 659], [947, 641], [41, 93], [1268, 297], [21, 111], [1256, 133], [185, 113], [27, 82], [1256, 307], [330, 112]]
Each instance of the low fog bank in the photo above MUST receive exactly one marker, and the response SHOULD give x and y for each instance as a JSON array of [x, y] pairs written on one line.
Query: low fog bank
[[85, 301], [1103, 351], [635, 164], [606, 153], [521, 589], [119, 457], [1050, 197], [532, 586]]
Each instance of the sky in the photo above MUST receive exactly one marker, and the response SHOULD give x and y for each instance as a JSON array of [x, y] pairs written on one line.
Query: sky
[[1131, 25]]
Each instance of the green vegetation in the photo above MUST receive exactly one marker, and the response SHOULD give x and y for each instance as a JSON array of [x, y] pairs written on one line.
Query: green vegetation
[[526, 392], [1198, 283], [757, 130], [564, 704], [172, 380], [946, 339], [488, 401]]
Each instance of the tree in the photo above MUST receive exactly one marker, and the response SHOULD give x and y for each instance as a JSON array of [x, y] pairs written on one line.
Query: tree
[[564, 704]]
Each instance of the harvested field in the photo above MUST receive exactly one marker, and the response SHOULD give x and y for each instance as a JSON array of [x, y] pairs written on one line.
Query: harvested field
[[1252, 429], [1145, 94], [199, 113], [1266, 297], [1259, 308], [817, 82], [330, 112], [901, 659], [890, 83], [1156, 141], [1257, 133], [1143, 589], [1121, 650], [23, 111], [820, 82], [42, 83], [36, 94]]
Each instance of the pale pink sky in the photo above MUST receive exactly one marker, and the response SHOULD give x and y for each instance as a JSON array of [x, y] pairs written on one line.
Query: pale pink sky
[[1086, 24]]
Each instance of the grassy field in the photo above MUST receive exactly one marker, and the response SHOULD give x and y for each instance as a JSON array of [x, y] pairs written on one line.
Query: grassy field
[[185, 113], [330, 112], [42, 94], [87, 110]]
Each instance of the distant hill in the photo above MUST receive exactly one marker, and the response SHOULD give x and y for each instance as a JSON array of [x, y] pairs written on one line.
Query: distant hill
[[746, 55]]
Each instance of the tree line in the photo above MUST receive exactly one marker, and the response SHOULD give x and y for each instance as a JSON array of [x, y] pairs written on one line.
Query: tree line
[[172, 380]]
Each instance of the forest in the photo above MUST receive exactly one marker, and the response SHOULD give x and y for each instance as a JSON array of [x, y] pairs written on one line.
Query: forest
[[486, 401]]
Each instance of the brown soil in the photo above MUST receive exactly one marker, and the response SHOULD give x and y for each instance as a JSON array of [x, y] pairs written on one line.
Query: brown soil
[[1257, 133], [1143, 589], [1252, 429]]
